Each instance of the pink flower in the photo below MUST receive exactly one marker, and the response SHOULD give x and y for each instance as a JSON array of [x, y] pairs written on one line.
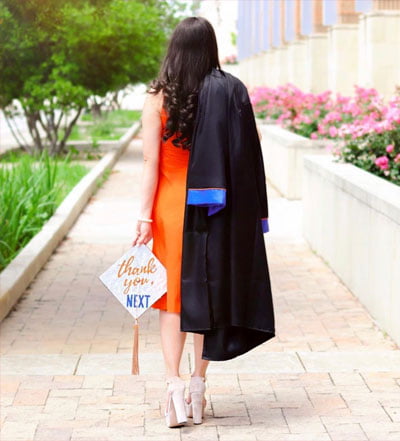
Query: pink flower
[[314, 135], [333, 131], [397, 158], [382, 162], [390, 148]]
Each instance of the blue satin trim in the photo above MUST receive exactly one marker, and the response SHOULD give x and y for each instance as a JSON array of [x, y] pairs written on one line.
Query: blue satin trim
[[213, 198], [265, 225]]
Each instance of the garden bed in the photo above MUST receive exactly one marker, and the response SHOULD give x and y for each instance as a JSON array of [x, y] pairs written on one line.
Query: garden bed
[[363, 129], [30, 192], [352, 220], [283, 153], [15, 278], [109, 126]]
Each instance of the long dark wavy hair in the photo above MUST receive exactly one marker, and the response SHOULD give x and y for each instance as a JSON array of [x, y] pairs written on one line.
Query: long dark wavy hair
[[191, 55]]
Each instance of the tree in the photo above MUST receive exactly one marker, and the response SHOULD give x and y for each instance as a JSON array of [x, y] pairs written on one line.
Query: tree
[[55, 55]]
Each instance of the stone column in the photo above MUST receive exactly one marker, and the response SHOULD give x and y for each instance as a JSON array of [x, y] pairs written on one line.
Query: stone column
[[343, 49], [274, 54], [253, 36], [385, 4], [259, 72], [283, 50], [297, 18], [297, 52], [317, 52], [346, 12], [283, 20], [317, 12], [379, 35]]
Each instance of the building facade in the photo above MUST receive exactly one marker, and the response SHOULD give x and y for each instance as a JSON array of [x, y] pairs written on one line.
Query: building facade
[[320, 44]]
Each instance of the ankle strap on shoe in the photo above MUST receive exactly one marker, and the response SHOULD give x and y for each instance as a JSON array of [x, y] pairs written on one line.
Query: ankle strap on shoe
[[174, 379], [197, 378]]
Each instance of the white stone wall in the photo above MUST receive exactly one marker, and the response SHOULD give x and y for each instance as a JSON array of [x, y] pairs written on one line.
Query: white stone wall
[[342, 58], [366, 54], [283, 154], [351, 218], [379, 51], [317, 63], [297, 68]]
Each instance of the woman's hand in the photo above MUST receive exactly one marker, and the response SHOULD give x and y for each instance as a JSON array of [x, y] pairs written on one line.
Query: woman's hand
[[144, 233]]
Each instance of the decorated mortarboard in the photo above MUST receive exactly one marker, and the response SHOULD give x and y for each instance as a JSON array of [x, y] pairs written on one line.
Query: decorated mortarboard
[[137, 279]]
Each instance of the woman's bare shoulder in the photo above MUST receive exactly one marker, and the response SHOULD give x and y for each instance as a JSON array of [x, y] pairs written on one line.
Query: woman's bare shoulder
[[154, 101]]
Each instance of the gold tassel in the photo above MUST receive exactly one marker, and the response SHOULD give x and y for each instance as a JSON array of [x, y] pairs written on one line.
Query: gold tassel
[[135, 352]]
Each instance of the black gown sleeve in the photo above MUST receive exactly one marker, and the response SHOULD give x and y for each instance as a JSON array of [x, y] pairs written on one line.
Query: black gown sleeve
[[258, 163], [207, 183]]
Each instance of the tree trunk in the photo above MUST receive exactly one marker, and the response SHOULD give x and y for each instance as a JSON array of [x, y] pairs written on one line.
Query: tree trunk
[[68, 129], [96, 109]]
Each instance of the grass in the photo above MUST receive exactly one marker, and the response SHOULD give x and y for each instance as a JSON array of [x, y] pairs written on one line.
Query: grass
[[108, 127], [30, 191], [13, 155], [120, 118]]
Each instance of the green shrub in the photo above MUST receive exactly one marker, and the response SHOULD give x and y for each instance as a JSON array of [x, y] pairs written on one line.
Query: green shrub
[[30, 191]]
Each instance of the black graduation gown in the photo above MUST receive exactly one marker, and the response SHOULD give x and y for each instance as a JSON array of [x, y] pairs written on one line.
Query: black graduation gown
[[225, 285]]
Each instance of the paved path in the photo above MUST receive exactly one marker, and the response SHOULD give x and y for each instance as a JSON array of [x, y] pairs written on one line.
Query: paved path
[[330, 374]]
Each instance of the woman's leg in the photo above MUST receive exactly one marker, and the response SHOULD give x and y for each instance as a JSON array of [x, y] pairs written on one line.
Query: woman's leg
[[200, 368], [200, 365], [172, 341]]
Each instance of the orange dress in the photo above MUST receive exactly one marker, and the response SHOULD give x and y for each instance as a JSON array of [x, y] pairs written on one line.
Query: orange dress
[[168, 214]]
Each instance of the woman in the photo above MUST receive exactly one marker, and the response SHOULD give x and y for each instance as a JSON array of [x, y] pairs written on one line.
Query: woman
[[164, 203], [206, 211]]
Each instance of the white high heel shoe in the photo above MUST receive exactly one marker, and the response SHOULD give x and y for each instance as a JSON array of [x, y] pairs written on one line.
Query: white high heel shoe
[[195, 409], [175, 412]]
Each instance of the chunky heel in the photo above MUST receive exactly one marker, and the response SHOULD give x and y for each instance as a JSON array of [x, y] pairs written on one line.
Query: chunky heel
[[195, 409], [175, 413], [179, 405]]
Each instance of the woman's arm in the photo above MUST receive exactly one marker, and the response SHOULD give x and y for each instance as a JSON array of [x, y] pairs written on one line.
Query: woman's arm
[[151, 135]]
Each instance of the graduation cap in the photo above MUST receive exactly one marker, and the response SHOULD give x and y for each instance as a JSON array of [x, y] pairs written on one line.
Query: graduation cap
[[137, 279]]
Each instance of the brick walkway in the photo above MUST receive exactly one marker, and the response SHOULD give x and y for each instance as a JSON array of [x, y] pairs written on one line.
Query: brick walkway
[[330, 374]]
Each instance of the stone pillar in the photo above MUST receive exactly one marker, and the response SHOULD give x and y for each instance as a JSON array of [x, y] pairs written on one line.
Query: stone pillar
[[264, 62], [379, 36], [283, 65], [343, 49], [254, 74], [297, 18], [297, 63], [317, 52], [346, 12], [260, 75], [317, 63], [343, 58], [282, 74], [283, 20], [271, 22], [317, 16], [385, 5], [296, 52]]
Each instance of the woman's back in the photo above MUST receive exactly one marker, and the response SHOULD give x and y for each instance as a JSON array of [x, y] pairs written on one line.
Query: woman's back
[[168, 214], [172, 159]]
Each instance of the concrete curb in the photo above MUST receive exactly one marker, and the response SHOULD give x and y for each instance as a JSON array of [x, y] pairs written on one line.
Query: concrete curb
[[21, 271]]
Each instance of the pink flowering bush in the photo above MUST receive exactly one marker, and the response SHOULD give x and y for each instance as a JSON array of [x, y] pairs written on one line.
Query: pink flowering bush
[[365, 129], [373, 142]]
